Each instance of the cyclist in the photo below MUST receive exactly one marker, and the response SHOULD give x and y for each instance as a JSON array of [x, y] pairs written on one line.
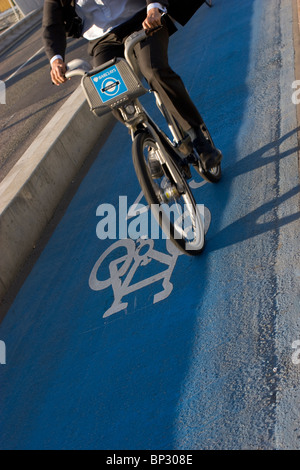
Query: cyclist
[[106, 24]]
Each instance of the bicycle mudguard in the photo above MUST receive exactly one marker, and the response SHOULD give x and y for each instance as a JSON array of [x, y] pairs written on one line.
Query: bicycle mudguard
[[111, 85]]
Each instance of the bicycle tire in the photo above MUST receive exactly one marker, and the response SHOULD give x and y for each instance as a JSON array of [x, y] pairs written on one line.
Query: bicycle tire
[[142, 142]]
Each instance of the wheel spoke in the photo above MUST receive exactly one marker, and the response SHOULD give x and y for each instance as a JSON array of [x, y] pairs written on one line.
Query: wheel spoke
[[175, 210]]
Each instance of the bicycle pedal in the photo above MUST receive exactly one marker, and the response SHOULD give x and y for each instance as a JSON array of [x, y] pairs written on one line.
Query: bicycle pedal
[[192, 159], [186, 171], [185, 146]]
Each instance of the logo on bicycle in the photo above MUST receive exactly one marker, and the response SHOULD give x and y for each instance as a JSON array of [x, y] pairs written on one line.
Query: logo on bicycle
[[109, 84], [110, 87]]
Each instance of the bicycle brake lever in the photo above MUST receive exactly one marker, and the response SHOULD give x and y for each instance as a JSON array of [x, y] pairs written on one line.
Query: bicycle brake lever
[[77, 67], [153, 30]]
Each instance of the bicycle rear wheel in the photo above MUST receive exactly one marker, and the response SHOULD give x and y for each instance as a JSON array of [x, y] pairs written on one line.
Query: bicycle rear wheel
[[169, 196]]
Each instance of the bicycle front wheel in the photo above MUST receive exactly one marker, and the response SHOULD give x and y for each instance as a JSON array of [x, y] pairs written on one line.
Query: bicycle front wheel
[[168, 195]]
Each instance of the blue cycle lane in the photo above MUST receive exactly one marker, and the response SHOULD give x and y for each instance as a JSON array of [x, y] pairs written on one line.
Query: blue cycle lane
[[125, 344]]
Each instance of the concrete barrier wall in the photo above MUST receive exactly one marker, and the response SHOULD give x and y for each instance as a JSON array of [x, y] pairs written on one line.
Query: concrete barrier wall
[[32, 190], [18, 30], [27, 6]]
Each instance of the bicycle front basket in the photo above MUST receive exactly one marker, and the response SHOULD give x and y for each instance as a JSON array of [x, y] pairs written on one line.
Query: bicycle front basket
[[111, 85]]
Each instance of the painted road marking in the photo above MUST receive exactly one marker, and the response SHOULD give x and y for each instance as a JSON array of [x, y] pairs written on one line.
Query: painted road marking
[[128, 264], [2, 353], [139, 253], [171, 375], [23, 65]]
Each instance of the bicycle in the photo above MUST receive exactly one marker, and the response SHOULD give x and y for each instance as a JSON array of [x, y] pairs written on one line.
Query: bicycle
[[117, 85]]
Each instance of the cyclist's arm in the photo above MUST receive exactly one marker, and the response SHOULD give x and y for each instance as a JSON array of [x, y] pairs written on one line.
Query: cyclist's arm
[[58, 70], [164, 3], [54, 39], [154, 13]]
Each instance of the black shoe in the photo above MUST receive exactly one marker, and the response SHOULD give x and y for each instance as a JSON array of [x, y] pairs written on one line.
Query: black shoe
[[186, 171], [154, 164], [210, 157]]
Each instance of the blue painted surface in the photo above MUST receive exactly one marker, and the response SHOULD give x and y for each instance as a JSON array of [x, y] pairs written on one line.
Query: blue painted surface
[[194, 370]]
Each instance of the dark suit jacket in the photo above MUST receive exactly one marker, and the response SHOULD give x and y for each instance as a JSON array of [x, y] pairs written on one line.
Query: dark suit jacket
[[58, 15]]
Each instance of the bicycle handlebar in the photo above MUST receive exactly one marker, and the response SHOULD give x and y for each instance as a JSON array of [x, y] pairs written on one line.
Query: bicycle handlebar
[[81, 67], [132, 41], [77, 67]]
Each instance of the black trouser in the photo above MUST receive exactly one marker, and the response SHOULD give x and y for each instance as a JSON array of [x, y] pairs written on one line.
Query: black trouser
[[152, 56]]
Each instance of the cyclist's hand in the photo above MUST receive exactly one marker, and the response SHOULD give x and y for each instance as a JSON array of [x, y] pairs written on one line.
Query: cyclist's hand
[[58, 70], [153, 19]]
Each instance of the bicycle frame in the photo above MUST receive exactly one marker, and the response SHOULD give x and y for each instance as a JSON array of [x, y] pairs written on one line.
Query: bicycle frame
[[171, 154], [134, 114]]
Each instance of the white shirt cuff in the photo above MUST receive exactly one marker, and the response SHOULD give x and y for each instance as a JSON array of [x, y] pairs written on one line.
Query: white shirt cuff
[[56, 57], [156, 5]]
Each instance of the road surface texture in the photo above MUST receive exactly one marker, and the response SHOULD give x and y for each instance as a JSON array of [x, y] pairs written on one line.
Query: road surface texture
[[7, 19], [31, 99], [118, 344]]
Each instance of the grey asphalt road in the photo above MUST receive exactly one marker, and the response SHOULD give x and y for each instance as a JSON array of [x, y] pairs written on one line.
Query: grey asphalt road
[[113, 344], [31, 99]]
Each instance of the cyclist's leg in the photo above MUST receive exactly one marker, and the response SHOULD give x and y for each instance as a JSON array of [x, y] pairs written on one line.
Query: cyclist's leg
[[112, 45], [152, 55], [104, 49]]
